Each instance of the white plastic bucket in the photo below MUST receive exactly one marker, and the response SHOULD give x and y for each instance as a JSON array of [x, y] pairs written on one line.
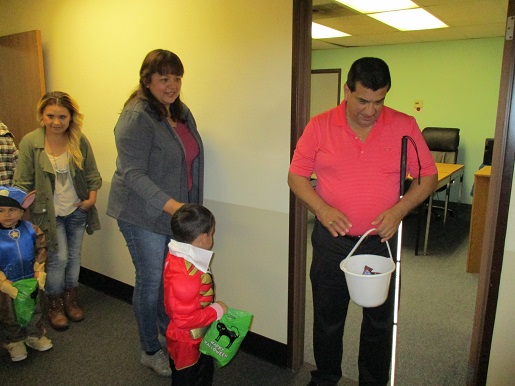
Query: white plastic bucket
[[368, 290]]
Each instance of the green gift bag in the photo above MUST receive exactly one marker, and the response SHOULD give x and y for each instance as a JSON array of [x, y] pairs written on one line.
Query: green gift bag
[[25, 302], [224, 337]]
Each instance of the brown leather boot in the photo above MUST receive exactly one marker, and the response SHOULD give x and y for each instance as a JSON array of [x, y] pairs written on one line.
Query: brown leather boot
[[56, 316], [71, 308]]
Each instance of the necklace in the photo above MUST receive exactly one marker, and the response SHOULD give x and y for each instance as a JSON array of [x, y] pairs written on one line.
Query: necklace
[[60, 170], [61, 173], [57, 169]]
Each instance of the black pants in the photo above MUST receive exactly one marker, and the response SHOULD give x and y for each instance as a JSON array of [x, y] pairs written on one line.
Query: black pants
[[200, 374], [330, 303]]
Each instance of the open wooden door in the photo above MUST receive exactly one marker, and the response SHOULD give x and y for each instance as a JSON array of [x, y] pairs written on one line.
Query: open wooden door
[[498, 211], [22, 81]]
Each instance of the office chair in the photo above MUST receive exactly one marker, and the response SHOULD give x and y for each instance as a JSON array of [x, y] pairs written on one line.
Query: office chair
[[489, 151], [443, 142], [487, 157]]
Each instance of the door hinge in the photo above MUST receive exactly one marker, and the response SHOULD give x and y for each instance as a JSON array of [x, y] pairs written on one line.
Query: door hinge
[[509, 27]]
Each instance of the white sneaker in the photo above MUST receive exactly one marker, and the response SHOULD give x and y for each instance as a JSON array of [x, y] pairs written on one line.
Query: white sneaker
[[39, 344], [17, 351], [158, 362]]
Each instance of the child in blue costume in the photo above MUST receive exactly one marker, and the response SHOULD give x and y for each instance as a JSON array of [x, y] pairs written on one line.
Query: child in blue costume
[[22, 256]]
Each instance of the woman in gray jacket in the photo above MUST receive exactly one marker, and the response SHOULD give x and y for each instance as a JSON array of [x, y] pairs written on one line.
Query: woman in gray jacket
[[160, 166]]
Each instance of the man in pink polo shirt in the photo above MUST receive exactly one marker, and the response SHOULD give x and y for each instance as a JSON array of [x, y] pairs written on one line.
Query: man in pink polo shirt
[[355, 150]]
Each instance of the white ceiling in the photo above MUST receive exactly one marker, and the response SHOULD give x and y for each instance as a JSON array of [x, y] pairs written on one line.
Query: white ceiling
[[467, 19]]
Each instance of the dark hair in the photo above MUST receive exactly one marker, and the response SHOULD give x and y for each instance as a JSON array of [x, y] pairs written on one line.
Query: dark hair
[[10, 202], [162, 62], [372, 73], [190, 221]]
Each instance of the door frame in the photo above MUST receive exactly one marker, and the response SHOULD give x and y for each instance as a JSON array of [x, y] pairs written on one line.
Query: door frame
[[492, 255], [297, 244], [497, 211]]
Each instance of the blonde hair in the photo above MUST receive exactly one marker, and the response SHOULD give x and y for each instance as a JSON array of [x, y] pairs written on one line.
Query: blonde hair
[[74, 130]]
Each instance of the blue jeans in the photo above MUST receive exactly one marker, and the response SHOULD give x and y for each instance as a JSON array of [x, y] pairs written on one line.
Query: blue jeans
[[148, 251], [63, 265]]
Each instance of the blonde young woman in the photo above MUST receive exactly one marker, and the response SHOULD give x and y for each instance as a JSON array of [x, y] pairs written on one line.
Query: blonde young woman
[[57, 161]]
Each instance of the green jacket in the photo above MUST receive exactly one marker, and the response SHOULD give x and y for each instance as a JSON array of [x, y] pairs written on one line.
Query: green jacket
[[34, 172]]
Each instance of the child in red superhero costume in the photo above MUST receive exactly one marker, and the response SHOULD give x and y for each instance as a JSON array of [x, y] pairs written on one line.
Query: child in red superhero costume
[[189, 295]]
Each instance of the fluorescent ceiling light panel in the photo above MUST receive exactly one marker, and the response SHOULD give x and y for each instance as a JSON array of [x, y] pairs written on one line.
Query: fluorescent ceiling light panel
[[373, 6], [319, 31], [409, 19]]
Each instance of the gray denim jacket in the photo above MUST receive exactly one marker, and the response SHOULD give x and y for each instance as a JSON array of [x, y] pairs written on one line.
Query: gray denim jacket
[[151, 168]]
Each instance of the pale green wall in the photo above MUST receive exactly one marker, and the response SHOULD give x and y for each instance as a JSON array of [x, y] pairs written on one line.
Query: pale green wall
[[458, 82], [93, 49]]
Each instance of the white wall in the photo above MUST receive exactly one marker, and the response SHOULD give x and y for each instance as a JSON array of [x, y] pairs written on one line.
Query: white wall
[[237, 58], [500, 369]]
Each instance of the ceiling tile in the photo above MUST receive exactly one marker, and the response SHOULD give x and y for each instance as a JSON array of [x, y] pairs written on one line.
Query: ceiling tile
[[467, 19]]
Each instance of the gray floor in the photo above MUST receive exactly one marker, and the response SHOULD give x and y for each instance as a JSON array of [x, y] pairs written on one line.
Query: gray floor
[[435, 322], [436, 308], [103, 350]]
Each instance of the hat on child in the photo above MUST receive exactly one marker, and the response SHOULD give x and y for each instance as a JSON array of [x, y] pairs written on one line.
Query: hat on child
[[12, 197]]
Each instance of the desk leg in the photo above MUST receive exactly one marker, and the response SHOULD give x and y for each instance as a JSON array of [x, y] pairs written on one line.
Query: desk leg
[[461, 186], [428, 222], [420, 218], [447, 194]]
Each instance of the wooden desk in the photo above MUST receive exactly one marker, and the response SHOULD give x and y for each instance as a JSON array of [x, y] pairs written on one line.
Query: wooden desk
[[446, 174], [478, 217]]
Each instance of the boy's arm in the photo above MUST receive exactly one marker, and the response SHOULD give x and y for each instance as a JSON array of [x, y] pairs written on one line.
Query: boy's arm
[[197, 318], [181, 298], [40, 256]]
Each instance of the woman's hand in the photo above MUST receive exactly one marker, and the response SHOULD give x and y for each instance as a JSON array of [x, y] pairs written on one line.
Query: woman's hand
[[171, 206], [85, 205]]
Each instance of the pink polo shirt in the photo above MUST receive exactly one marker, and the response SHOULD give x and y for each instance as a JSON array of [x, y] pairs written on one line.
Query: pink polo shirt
[[359, 179]]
